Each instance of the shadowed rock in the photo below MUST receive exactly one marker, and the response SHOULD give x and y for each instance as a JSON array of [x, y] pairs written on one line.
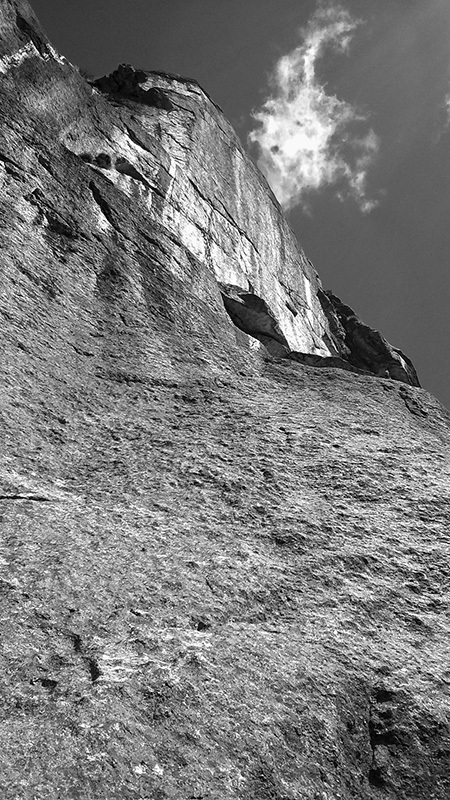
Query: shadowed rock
[[365, 347], [125, 82], [252, 315]]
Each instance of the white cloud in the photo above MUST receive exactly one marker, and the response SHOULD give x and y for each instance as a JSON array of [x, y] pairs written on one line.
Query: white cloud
[[442, 121], [306, 138], [447, 111]]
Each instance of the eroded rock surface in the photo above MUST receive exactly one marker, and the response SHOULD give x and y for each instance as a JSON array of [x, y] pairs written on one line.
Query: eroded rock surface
[[223, 573]]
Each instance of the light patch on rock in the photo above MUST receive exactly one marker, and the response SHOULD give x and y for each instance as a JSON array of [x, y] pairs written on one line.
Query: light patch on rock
[[227, 269], [117, 664], [27, 211], [308, 295], [254, 344], [102, 223], [191, 237], [57, 57], [127, 185], [172, 171], [16, 59]]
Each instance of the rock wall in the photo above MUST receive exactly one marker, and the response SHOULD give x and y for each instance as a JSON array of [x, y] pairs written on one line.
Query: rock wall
[[223, 573], [215, 200]]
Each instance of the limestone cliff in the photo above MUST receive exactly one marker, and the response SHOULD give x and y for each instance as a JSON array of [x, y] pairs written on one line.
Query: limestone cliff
[[224, 499]]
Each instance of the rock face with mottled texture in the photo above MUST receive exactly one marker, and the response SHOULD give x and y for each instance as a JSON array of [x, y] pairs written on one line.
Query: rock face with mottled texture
[[223, 570]]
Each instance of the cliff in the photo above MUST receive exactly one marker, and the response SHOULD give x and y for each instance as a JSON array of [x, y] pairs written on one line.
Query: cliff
[[224, 499]]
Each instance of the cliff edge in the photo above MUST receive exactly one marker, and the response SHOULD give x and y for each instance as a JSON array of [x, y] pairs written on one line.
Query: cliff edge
[[224, 500]]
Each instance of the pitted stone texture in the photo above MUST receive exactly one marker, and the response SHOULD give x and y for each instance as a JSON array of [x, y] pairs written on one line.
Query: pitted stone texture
[[221, 575]]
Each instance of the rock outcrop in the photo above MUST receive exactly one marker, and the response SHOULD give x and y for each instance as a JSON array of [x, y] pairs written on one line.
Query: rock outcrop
[[364, 347], [223, 571]]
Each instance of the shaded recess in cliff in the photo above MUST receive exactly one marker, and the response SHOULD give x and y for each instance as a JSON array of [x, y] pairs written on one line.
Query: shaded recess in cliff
[[362, 346], [252, 315]]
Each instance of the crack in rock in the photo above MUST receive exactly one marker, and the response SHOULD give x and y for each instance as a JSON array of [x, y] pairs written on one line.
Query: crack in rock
[[11, 167], [55, 222], [104, 206], [126, 168], [89, 660], [225, 213], [33, 497], [33, 35]]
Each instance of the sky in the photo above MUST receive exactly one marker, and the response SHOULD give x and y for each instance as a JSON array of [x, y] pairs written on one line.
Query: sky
[[345, 106]]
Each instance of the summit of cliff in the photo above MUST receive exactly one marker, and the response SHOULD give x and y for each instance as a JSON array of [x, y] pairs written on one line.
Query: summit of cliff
[[224, 500]]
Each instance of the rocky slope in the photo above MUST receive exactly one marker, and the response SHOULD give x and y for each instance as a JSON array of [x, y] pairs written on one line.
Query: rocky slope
[[224, 570]]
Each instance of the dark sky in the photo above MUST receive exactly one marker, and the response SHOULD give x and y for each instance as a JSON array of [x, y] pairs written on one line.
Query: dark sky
[[390, 263]]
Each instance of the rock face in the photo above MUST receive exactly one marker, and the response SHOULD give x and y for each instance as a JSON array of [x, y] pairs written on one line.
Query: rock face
[[223, 571]]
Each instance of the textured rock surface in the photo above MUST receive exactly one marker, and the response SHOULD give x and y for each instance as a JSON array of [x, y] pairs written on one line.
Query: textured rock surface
[[223, 574]]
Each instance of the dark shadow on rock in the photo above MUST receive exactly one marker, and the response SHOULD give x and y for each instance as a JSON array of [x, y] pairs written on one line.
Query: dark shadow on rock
[[125, 82], [252, 315], [364, 347]]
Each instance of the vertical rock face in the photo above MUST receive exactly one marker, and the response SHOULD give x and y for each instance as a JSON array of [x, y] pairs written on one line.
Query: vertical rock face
[[181, 158], [223, 570]]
